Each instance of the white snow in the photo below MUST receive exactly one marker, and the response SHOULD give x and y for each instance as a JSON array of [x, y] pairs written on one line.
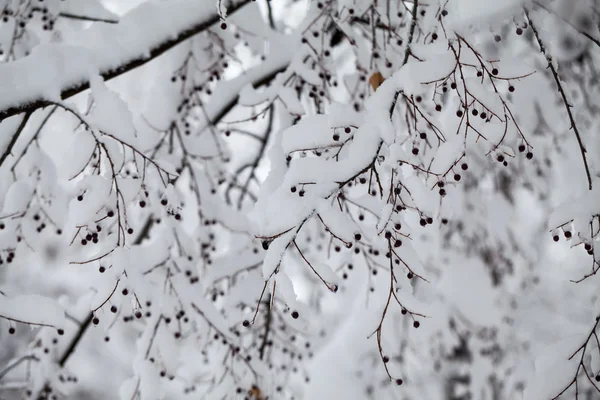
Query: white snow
[[33, 309]]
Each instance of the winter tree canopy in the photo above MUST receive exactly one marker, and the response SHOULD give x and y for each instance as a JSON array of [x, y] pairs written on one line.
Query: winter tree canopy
[[299, 199]]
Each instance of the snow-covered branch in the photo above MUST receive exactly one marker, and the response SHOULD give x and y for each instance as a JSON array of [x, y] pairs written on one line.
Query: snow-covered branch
[[58, 71]]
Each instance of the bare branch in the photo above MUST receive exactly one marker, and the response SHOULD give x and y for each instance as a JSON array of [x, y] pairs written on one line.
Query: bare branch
[[563, 96]]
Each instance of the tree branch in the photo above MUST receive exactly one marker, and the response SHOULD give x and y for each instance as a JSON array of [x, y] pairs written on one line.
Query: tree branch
[[259, 156], [109, 59], [76, 339], [16, 135], [261, 75], [87, 18], [563, 95]]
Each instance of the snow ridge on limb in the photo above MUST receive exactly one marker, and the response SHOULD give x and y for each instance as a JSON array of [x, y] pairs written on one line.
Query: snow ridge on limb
[[118, 49]]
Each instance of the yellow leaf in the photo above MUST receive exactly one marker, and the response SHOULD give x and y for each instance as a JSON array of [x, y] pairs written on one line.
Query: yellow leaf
[[376, 80]]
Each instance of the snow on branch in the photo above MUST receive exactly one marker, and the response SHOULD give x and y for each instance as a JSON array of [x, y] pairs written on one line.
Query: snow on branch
[[32, 310], [109, 50]]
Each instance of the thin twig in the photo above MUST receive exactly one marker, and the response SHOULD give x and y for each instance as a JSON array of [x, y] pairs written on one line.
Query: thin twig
[[14, 138], [88, 18], [563, 95]]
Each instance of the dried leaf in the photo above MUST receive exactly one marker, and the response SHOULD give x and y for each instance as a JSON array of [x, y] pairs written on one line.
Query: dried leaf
[[376, 80]]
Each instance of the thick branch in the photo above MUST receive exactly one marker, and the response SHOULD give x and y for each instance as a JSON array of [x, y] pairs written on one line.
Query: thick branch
[[76, 339], [122, 48]]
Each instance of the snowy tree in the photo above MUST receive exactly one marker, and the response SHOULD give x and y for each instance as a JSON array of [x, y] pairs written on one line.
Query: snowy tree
[[286, 199]]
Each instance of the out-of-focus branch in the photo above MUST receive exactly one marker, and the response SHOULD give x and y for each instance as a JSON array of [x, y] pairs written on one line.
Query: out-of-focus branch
[[259, 156], [268, 322], [33, 138], [76, 339], [583, 33], [270, 14]]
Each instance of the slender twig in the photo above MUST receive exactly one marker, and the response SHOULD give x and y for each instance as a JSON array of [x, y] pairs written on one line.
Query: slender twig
[[88, 18], [263, 346], [411, 35], [16, 135], [259, 156], [411, 32], [563, 95], [16, 364], [86, 323], [581, 349], [270, 14]]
